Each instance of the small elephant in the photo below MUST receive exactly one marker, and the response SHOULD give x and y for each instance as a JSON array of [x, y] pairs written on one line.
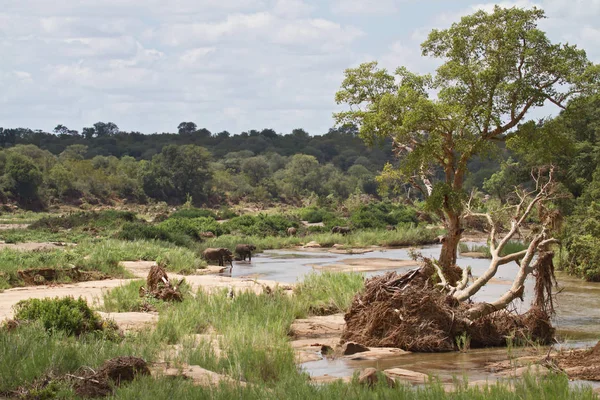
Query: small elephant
[[341, 229], [221, 255], [244, 250], [390, 228], [207, 235], [292, 231]]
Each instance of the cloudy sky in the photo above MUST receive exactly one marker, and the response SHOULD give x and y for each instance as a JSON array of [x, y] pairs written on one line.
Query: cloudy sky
[[225, 64]]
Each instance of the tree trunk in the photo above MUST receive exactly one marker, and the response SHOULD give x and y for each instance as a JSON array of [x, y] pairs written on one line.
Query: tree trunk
[[450, 242]]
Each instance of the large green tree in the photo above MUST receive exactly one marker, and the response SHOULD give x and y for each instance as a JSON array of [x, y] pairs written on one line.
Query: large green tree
[[178, 172], [497, 67]]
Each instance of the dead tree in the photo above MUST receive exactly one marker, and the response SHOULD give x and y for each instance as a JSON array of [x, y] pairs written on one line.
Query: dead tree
[[545, 191]]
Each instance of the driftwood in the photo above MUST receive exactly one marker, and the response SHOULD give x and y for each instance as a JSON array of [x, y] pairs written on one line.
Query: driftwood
[[160, 287]]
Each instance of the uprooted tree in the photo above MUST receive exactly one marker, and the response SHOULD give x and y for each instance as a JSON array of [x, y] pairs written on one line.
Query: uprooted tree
[[428, 308], [497, 67]]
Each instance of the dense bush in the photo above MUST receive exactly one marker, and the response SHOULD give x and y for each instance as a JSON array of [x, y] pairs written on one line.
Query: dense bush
[[144, 231], [379, 215], [226, 213], [67, 314], [192, 227], [314, 214], [261, 225], [193, 213], [102, 219]]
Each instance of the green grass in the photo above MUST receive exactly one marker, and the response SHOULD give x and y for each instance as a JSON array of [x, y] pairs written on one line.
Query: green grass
[[102, 256], [328, 292], [510, 248], [255, 348], [254, 327], [126, 298], [42, 236], [553, 387], [29, 353], [180, 260], [406, 236]]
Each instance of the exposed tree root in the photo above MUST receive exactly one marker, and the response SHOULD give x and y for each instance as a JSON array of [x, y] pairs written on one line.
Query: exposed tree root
[[159, 286], [113, 373], [410, 313]]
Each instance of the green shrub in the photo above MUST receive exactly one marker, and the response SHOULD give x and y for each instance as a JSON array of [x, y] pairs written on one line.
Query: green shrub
[[102, 219], [226, 213], [143, 231], [191, 227], [260, 225], [193, 213], [314, 214], [379, 215], [74, 317], [583, 257]]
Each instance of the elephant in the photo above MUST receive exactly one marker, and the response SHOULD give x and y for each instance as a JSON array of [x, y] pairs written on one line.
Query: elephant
[[244, 250], [207, 235], [341, 229], [390, 228], [292, 231], [221, 255]]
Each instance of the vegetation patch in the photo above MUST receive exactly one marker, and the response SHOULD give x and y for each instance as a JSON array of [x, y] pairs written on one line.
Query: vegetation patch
[[72, 316]]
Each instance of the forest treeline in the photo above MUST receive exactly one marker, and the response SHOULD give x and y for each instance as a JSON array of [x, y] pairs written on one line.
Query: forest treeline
[[104, 164]]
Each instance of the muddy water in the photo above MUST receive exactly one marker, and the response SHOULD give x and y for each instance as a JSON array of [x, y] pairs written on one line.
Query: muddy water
[[577, 320]]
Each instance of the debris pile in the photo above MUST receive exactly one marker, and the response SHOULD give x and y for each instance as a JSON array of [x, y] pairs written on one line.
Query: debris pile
[[113, 373], [160, 287], [409, 312]]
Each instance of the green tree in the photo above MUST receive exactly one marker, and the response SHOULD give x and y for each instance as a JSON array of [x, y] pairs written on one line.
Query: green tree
[[23, 179], [179, 171], [496, 68], [255, 168]]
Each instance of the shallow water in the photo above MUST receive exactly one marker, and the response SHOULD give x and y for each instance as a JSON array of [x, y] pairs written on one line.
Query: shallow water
[[577, 320]]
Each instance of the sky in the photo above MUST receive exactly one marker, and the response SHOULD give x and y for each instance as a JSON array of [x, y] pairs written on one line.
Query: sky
[[233, 65]]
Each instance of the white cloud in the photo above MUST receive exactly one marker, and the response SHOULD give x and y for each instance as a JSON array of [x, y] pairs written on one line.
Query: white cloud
[[234, 65], [292, 8], [365, 7]]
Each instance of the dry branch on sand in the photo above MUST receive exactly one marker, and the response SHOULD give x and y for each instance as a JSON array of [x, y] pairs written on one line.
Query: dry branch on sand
[[159, 286], [113, 373]]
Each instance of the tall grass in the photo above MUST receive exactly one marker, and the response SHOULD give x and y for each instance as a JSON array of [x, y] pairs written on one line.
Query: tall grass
[[328, 292], [254, 327], [406, 236], [30, 353], [177, 259], [102, 256], [552, 387], [510, 248]]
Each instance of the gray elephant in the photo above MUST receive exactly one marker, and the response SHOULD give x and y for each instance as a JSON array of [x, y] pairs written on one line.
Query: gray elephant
[[341, 229], [244, 250], [391, 228], [221, 255], [292, 231]]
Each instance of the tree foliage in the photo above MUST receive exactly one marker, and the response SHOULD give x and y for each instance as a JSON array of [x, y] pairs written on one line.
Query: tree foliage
[[496, 68]]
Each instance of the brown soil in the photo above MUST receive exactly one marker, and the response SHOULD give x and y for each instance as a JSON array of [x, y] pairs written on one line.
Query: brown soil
[[199, 376], [113, 373], [408, 312], [41, 276], [580, 364]]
